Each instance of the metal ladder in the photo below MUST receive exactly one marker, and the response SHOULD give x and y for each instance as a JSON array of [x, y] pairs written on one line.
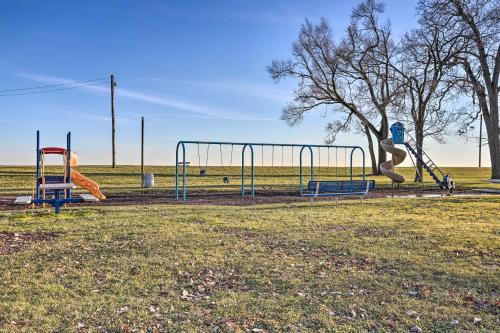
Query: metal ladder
[[427, 163]]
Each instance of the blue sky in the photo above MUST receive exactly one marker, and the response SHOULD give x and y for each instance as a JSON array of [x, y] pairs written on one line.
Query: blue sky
[[193, 69]]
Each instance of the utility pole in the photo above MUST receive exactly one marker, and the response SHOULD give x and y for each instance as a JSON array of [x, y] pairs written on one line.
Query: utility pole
[[142, 151], [480, 136], [113, 139]]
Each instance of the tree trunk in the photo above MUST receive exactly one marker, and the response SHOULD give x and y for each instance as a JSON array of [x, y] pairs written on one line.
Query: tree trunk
[[371, 151], [419, 138], [492, 129], [383, 134], [382, 157]]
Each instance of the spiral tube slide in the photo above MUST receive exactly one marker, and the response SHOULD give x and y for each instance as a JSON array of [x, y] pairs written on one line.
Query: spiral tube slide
[[398, 156]]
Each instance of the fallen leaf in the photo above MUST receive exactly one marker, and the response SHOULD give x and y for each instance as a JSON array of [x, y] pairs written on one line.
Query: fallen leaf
[[426, 291]]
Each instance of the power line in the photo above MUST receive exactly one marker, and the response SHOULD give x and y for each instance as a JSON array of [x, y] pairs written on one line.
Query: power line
[[52, 90], [53, 85]]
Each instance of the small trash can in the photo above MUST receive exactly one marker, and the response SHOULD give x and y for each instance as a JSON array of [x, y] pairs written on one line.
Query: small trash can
[[149, 180]]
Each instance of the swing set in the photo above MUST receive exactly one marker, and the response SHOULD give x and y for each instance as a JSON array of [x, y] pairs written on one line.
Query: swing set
[[325, 187], [203, 170]]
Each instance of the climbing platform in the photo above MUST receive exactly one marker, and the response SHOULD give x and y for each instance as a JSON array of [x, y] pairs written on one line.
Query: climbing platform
[[58, 186]]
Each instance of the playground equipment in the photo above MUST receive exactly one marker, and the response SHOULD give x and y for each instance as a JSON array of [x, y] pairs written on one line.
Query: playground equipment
[[398, 132], [329, 188], [339, 188], [55, 190], [398, 156]]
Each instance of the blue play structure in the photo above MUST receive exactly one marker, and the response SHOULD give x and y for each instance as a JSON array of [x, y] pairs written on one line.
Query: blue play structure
[[327, 188], [399, 134], [55, 190]]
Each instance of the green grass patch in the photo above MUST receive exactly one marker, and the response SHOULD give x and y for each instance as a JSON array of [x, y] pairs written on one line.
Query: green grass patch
[[18, 180], [294, 267]]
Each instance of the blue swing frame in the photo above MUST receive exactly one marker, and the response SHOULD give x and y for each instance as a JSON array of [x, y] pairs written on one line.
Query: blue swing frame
[[181, 145]]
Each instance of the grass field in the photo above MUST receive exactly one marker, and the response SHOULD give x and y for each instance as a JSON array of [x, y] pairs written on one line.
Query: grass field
[[387, 265], [300, 267], [21, 179]]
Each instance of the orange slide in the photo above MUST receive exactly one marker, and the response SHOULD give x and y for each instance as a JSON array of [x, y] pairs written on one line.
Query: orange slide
[[87, 184]]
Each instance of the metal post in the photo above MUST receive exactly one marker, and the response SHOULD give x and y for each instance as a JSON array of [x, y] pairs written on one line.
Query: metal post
[[68, 166], [38, 171], [113, 139], [252, 170], [57, 201], [363, 157], [183, 173], [480, 136], [312, 163], [243, 171], [177, 171], [142, 151], [180, 144], [300, 170], [300, 166]]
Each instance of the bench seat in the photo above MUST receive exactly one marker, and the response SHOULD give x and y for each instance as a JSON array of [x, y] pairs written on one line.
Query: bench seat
[[339, 187]]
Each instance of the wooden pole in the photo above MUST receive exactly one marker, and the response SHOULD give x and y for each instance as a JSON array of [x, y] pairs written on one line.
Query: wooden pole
[[142, 151], [113, 138], [480, 136]]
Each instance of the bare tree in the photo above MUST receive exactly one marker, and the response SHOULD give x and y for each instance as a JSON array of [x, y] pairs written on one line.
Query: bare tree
[[336, 127], [352, 77], [425, 64], [476, 23]]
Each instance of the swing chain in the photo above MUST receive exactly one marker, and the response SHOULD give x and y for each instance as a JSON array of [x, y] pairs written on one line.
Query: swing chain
[[345, 161], [319, 161], [231, 160], [226, 179], [272, 158], [203, 172], [328, 158], [199, 158], [206, 161], [282, 163], [220, 150], [336, 162], [262, 155]]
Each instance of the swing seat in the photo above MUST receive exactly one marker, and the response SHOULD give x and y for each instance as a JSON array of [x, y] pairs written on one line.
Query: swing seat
[[203, 173], [226, 180], [317, 188]]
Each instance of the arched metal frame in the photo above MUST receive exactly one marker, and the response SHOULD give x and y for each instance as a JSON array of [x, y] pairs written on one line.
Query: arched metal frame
[[300, 166], [245, 145]]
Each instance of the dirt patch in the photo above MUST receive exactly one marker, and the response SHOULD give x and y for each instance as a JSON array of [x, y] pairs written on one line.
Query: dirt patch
[[226, 198], [235, 199], [14, 242]]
